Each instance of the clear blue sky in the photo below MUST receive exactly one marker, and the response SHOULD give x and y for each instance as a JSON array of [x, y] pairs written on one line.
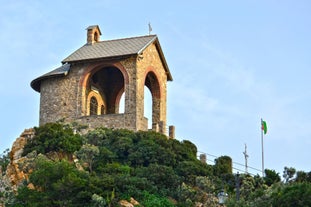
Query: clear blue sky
[[233, 62]]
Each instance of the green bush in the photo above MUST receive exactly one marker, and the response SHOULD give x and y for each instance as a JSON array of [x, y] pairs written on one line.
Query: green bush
[[53, 137], [4, 160], [152, 200], [223, 165], [296, 194], [57, 184], [160, 176]]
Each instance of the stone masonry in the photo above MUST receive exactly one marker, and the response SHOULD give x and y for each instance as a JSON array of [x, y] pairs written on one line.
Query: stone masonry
[[88, 87]]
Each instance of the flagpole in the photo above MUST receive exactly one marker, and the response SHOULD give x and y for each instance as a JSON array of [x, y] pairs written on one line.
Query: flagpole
[[262, 152]]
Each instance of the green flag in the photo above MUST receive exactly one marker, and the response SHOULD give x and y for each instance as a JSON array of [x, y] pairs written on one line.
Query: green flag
[[264, 126]]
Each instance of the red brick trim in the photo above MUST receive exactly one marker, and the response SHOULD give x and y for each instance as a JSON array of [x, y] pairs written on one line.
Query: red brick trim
[[95, 67], [150, 69], [118, 98]]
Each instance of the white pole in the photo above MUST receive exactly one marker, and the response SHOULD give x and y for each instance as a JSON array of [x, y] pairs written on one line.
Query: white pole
[[262, 152]]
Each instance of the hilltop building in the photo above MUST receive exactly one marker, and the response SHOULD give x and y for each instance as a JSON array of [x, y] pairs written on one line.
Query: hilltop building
[[87, 88]]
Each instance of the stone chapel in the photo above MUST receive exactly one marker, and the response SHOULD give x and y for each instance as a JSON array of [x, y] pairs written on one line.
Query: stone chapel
[[87, 88]]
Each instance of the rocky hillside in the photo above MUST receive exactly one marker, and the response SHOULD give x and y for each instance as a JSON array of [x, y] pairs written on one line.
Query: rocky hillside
[[54, 166], [17, 171]]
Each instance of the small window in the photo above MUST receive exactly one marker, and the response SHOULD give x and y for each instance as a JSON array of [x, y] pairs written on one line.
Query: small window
[[93, 106]]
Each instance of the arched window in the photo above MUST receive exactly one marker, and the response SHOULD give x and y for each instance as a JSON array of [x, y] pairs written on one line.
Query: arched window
[[93, 106]]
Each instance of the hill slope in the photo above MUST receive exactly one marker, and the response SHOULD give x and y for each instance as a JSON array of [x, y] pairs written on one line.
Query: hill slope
[[53, 166], [104, 166]]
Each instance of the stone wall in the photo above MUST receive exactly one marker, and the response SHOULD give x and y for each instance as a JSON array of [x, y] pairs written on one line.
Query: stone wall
[[151, 63], [117, 121], [65, 97], [58, 99], [138, 68]]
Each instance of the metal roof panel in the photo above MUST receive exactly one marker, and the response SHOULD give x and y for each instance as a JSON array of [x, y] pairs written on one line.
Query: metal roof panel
[[111, 48]]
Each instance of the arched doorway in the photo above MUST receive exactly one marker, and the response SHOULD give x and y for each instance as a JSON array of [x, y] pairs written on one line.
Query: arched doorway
[[148, 106], [152, 83], [108, 85]]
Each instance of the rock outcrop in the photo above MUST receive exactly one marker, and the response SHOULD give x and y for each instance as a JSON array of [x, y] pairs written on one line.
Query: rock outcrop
[[18, 169], [131, 203], [21, 167]]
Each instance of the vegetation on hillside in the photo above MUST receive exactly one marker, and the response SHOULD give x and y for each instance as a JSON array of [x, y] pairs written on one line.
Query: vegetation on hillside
[[156, 171]]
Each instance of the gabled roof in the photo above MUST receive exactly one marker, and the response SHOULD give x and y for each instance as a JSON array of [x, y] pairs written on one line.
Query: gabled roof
[[109, 49], [61, 71], [118, 48]]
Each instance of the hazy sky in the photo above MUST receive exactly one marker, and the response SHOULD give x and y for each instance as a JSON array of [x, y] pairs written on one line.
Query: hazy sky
[[233, 63]]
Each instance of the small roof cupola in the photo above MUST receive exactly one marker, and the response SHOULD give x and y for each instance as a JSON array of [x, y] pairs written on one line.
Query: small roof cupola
[[93, 34]]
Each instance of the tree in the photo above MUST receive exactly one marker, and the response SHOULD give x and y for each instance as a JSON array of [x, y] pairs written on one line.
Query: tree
[[152, 200], [302, 176], [55, 137], [4, 161], [191, 148], [271, 177], [96, 136], [205, 184], [189, 170], [288, 174], [163, 177], [56, 184], [247, 186], [98, 201], [87, 154], [223, 165], [295, 194]]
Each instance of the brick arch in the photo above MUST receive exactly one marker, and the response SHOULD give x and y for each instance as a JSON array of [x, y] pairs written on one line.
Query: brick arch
[[111, 104], [151, 80], [118, 99], [95, 67], [100, 102]]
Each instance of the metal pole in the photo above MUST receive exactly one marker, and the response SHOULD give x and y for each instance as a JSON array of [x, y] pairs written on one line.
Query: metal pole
[[262, 152], [246, 157], [237, 185]]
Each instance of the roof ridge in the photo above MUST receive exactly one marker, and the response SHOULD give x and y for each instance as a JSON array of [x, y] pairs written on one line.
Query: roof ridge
[[112, 48], [127, 38]]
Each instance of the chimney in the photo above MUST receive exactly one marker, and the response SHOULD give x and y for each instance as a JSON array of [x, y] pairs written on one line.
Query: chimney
[[93, 34]]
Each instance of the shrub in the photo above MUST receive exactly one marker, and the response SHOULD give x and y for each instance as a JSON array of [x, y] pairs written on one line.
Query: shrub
[[53, 137]]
